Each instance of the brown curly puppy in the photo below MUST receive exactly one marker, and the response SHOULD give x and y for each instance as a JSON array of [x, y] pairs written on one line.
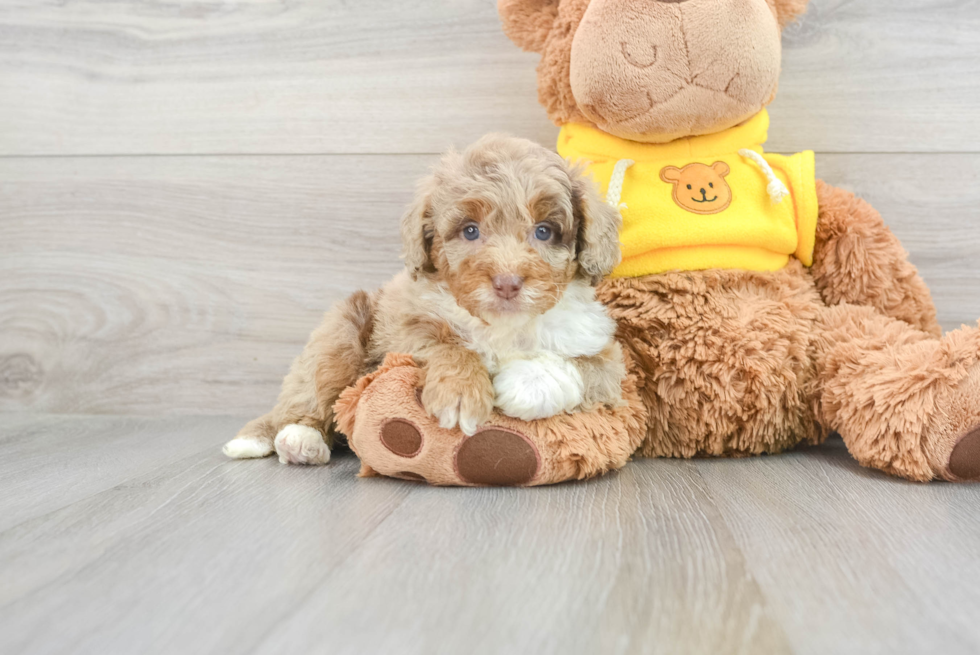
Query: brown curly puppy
[[503, 245]]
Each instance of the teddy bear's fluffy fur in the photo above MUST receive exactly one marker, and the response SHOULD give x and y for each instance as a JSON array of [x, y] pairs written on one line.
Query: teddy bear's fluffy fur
[[732, 362], [502, 245]]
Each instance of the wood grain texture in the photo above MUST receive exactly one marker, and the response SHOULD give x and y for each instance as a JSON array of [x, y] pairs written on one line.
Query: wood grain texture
[[800, 553], [590, 568], [148, 285], [200, 555], [850, 560], [52, 462], [327, 76]]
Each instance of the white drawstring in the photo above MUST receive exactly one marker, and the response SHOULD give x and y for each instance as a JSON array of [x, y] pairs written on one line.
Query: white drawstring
[[615, 191], [777, 190]]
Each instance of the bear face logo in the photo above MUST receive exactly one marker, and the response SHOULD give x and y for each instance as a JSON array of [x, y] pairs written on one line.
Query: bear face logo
[[699, 188]]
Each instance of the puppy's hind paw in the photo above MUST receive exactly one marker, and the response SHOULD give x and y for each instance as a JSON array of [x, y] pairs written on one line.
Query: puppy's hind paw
[[301, 444]]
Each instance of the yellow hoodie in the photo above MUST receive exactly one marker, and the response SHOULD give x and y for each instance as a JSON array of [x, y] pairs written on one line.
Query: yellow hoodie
[[703, 202]]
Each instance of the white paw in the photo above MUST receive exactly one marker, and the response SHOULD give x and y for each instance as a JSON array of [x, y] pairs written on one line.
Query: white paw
[[300, 444], [531, 389], [468, 424], [247, 448], [457, 401], [454, 415]]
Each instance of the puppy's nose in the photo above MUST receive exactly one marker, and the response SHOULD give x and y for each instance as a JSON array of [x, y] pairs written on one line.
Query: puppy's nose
[[507, 286]]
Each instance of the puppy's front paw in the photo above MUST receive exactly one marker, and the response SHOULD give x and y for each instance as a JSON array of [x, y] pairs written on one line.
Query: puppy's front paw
[[531, 389], [301, 444], [458, 400]]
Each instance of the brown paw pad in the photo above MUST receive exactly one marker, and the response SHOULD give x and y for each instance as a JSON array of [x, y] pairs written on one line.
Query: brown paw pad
[[964, 463], [498, 458], [401, 437]]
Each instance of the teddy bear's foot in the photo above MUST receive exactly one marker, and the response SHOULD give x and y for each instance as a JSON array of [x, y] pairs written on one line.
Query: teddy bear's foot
[[301, 444], [964, 463], [388, 427], [955, 431], [491, 457]]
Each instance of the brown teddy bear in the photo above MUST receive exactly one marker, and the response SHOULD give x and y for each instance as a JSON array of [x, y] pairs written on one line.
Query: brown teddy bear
[[792, 313], [759, 308]]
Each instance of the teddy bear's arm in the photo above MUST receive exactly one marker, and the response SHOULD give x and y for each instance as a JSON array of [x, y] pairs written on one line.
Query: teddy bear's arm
[[857, 260]]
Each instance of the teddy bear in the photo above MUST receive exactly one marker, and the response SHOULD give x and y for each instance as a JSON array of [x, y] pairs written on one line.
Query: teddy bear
[[758, 307]]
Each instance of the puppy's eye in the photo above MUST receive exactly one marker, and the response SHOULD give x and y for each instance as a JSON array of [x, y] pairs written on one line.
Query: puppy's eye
[[471, 232], [543, 233]]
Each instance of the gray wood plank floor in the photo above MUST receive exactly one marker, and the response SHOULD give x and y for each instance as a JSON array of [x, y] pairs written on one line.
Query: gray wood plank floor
[[107, 547]]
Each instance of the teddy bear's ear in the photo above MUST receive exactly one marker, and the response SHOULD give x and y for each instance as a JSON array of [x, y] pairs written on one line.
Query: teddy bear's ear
[[528, 22], [721, 168], [788, 10]]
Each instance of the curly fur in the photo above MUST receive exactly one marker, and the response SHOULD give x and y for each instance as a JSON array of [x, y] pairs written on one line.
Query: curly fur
[[470, 309]]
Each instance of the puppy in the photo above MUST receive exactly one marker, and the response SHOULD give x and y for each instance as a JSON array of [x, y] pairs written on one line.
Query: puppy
[[502, 247]]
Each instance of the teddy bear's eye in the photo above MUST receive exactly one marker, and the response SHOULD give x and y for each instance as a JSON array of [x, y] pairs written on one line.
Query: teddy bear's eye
[[689, 187], [711, 184]]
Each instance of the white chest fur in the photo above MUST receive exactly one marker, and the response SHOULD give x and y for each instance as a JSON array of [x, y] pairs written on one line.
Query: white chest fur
[[578, 326]]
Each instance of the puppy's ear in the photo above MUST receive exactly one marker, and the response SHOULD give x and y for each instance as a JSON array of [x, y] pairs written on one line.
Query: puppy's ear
[[788, 10], [418, 231], [528, 22], [598, 229]]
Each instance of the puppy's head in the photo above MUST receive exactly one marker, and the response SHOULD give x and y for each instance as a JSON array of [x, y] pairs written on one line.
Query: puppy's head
[[506, 225]]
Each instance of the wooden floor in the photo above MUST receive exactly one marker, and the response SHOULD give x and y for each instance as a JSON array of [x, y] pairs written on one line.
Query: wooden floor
[[186, 185], [125, 535]]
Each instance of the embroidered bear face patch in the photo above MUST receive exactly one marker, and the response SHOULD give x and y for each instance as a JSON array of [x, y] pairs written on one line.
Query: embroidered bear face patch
[[699, 188]]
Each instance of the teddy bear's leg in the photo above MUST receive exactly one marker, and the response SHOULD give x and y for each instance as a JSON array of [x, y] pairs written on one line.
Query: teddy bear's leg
[[857, 260], [904, 401]]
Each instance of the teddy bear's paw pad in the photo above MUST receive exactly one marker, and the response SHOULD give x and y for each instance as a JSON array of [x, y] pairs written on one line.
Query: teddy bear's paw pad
[[964, 462], [498, 458], [301, 444], [401, 437]]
